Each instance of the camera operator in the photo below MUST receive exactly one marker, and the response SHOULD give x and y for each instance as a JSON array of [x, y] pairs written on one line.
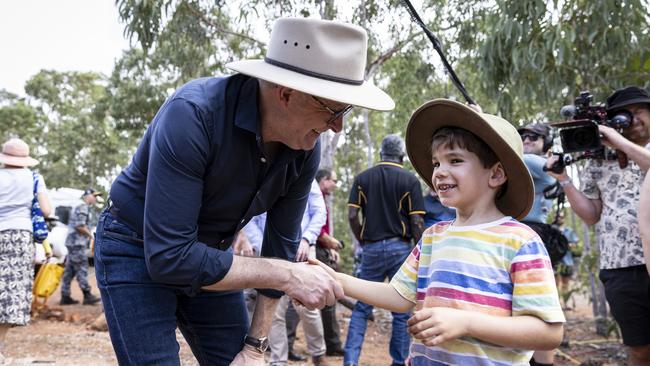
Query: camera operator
[[609, 199], [537, 140]]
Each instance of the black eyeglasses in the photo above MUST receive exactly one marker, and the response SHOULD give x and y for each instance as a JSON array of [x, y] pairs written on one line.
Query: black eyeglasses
[[530, 136], [335, 114]]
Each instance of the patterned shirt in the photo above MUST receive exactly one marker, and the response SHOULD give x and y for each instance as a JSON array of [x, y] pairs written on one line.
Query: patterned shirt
[[619, 240], [499, 268], [80, 217]]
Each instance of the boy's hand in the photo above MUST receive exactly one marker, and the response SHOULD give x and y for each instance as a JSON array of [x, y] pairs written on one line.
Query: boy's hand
[[324, 266], [433, 326]]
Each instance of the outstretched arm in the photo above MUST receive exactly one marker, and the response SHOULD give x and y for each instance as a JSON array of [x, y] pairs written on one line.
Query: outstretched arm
[[379, 294], [434, 326]]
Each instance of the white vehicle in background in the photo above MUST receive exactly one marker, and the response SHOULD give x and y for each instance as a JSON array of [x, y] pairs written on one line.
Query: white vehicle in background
[[64, 200]]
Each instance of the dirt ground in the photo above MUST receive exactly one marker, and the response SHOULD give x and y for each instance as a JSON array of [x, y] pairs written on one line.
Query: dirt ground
[[71, 341]]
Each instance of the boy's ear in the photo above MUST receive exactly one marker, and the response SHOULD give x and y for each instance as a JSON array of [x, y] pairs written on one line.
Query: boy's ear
[[497, 176]]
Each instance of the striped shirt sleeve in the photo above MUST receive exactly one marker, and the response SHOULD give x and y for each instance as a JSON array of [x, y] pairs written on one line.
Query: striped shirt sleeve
[[405, 280], [534, 292]]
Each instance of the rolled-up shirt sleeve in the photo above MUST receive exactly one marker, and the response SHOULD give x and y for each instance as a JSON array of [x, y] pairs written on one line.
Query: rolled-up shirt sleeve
[[178, 156], [283, 232]]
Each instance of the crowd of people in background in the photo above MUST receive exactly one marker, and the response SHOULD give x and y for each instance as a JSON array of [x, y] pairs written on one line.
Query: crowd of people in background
[[470, 270]]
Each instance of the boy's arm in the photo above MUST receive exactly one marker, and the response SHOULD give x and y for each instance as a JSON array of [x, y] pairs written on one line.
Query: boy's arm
[[434, 326], [379, 294]]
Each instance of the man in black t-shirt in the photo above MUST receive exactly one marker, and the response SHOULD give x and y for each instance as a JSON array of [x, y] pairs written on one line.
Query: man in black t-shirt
[[390, 200]]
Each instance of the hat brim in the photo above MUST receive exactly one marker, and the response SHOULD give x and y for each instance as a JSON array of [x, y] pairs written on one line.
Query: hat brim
[[433, 115], [365, 95], [629, 102], [24, 161]]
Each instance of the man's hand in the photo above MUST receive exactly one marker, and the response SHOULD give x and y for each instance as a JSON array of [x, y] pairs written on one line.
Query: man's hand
[[248, 356], [242, 246], [549, 163], [335, 255], [434, 326], [612, 138], [303, 251], [313, 286]]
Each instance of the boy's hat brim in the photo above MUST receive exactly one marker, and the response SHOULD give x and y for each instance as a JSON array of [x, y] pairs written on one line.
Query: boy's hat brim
[[497, 133]]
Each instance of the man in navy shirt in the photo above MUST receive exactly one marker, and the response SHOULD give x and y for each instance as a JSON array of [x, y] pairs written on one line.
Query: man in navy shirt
[[218, 152]]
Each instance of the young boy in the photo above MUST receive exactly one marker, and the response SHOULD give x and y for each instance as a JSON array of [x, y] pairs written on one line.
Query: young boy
[[482, 285]]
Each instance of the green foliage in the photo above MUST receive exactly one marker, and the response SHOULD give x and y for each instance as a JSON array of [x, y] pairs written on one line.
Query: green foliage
[[68, 126]]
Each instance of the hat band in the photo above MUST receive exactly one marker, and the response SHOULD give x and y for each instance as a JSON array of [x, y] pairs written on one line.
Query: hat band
[[311, 73]]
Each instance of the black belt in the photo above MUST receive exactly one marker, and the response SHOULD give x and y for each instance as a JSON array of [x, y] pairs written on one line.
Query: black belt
[[392, 238]]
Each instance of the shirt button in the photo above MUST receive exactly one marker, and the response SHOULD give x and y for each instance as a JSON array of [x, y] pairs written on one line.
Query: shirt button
[[263, 160]]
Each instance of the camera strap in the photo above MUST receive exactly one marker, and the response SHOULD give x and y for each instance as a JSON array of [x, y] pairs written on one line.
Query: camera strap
[[437, 46]]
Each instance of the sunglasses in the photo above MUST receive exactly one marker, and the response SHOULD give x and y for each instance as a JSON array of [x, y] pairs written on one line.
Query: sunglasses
[[530, 136], [335, 114]]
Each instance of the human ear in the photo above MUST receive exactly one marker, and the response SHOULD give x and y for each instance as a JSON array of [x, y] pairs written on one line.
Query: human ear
[[497, 176], [283, 95]]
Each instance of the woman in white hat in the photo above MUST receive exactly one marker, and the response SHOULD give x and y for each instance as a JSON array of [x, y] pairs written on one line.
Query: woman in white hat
[[16, 240]]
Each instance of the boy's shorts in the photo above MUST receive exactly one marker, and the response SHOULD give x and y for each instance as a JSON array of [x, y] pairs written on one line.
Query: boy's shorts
[[628, 294]]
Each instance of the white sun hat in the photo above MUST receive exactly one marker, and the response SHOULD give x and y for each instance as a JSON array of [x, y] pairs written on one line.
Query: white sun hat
[[319, 57]]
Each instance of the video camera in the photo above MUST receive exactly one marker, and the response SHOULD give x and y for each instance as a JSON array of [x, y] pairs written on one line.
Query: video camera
[[581, 134]]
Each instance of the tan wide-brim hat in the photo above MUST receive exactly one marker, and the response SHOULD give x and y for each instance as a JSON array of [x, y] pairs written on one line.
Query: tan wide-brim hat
[[496, 132], [15, 152], [319, 57]]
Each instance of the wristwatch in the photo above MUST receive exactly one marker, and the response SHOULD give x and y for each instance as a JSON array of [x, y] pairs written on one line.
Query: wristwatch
[[260, 344]]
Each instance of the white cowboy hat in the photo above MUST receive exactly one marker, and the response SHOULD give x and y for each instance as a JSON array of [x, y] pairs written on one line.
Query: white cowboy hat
[[15, 152], [496, 132], [319, 57]]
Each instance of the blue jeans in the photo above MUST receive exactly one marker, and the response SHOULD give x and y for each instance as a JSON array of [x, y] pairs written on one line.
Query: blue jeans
[[142, 315], [380, 260]]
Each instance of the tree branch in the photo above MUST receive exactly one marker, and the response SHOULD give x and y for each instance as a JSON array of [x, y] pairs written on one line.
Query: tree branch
[[220, 29], [379, 61]]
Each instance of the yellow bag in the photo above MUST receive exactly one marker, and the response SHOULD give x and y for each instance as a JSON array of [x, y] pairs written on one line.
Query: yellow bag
[[47, 279]]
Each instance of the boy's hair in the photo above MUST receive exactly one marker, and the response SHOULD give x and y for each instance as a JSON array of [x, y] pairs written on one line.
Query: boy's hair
[[452, 137]]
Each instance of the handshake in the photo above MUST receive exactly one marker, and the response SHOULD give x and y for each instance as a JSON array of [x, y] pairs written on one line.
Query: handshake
[[314, 285]]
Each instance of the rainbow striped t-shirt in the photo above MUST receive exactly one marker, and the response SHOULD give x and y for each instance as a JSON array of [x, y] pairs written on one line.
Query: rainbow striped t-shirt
[[499, 268]]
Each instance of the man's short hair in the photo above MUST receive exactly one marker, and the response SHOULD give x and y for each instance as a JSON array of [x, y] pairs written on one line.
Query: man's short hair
[[323, 173], [452, 137], [392, 145]]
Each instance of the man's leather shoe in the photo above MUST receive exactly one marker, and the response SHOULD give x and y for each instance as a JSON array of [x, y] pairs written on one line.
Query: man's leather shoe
[[336, 352], [320, 360], [293, 356]]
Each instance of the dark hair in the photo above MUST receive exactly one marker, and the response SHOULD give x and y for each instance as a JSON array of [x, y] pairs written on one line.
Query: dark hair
[[452, 137], [323, 173]]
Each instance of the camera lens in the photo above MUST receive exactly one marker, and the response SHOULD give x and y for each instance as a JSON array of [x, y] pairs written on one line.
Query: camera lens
[[621, 120], [584, 137]]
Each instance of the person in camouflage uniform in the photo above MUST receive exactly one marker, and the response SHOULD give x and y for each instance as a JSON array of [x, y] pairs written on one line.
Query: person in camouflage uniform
[[76, 263]]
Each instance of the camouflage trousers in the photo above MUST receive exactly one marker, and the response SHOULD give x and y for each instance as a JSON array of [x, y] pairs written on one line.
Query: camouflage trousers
[[76, 264]]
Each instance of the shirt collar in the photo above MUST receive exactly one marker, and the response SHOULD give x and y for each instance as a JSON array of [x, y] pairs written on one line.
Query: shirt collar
[[246, 112], [390, 163]]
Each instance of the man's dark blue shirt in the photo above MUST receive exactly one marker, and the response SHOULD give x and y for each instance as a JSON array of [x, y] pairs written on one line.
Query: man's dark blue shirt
[[200, 174]]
